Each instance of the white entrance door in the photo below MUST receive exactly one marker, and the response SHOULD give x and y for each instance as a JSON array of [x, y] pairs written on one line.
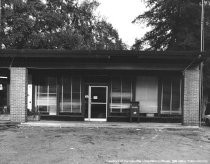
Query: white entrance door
[[97, 103]]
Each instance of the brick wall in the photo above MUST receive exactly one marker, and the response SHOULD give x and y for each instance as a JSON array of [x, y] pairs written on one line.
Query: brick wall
[[191, 96], [18, 94]]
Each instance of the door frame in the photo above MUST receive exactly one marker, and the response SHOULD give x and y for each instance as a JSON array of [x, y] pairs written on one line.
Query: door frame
[[89, 103]]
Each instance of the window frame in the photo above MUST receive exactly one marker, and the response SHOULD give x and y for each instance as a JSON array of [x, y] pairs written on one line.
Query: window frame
[[171, 111], [121, 93], [47, 94], [62, 95]]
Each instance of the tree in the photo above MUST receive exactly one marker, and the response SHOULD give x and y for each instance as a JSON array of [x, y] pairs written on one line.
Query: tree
[[175, 25], [57, 24], [107, 37]]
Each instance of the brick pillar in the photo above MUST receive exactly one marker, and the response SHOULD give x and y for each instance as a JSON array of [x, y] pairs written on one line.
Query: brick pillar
[[18, 94], [191, 96]]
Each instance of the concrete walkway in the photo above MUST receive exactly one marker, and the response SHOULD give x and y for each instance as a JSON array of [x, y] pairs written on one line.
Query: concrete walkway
[[65, 124]]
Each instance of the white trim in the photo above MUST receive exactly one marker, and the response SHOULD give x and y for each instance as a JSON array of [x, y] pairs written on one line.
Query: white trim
[[96, 119], [171, 112], [98, 103], [90, 103]]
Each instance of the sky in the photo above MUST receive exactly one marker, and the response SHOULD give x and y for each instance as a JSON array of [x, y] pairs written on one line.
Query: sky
[[121, 13]]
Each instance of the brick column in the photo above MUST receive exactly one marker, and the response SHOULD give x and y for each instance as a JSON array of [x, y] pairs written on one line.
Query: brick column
[[18, 94], [191, 96]]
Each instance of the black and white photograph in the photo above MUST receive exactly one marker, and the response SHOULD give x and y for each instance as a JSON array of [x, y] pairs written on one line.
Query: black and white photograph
[[104, 81]]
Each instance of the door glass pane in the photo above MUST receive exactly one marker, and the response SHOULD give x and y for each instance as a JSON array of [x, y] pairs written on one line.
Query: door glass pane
[[98, 94], [166, 94], [98, 111], [176, 95], [98, 102]]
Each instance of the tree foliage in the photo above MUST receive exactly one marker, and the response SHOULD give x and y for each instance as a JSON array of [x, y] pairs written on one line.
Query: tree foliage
[[56, 24], [175, 25]]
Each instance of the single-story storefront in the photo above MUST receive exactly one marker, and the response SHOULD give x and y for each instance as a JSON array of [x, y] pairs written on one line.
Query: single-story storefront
[[100, 85]]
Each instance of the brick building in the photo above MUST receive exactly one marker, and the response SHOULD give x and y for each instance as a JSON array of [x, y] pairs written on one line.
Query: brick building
[[100, 85]]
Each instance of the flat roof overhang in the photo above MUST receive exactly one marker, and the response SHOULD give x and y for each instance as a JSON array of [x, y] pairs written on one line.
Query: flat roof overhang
[[99, 60]]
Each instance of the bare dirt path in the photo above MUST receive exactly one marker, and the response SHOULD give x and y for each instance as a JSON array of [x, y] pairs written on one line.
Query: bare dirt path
[[103, 145]]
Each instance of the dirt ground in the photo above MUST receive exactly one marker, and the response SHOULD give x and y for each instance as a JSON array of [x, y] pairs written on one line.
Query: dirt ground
[[103, 145]]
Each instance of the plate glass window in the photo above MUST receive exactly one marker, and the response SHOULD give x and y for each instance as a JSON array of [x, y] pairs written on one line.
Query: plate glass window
[[71, 100], [171, 96], [121, 94]]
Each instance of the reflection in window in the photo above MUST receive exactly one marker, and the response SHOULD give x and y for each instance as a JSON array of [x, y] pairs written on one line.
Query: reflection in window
[[70, 95], [121, 94], [46, 95], [4, 90], [171, 96]]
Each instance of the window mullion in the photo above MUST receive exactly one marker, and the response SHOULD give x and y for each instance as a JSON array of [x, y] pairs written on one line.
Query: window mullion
[[71, 95], [161, 97], [111, 96], [48, 90], [131, 90], [180, 94], [38, 95], [80, 92], [121, 96], [62, 95], [171, 101]]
